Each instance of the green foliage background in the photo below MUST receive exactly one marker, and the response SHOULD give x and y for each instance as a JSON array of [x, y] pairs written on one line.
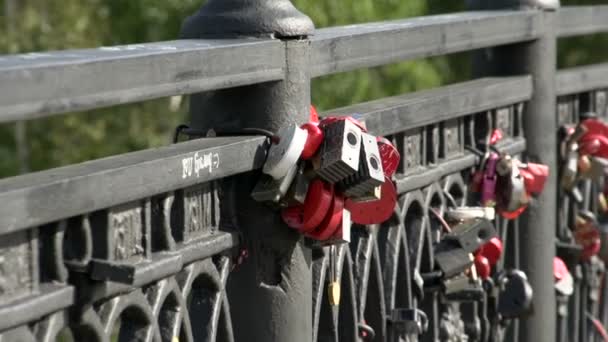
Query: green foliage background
[[42, 25]]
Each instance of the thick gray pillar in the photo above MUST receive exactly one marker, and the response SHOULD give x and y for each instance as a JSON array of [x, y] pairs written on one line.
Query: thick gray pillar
[[271, 292], [538, 224]]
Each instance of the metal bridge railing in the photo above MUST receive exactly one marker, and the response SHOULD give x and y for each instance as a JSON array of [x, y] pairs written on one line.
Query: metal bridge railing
[[166, 244]]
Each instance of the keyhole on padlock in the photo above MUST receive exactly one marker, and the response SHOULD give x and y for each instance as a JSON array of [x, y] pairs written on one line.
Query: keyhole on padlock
[[374, 162], [351, 138]]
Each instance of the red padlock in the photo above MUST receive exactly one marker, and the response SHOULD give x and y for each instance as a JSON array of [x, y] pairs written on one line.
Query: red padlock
[[331, 222], [308, 216], [482, 266], [314, 115], [377, 211], [491, 250], [560, 270], [313, 140], [535, 177], [594, 140], [588, 236], [389, 155], [496, 136]]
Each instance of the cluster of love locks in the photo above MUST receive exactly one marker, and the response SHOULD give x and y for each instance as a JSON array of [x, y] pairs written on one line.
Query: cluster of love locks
[[331, 172]]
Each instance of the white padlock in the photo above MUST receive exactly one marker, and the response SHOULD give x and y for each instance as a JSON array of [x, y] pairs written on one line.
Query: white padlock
[[284, 155], [469, 213]]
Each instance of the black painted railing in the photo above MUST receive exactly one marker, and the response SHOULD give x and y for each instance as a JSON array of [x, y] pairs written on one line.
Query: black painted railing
[[167, 245]]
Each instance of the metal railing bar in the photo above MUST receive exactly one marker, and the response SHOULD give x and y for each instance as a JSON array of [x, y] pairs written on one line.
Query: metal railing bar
[[41, 84], [345, 48], [433, 173], [399, 113], [581, 79], [42, 197], [582, 20]]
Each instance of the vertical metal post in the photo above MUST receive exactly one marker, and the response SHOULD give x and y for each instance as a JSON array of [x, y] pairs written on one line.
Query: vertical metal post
[[271, 292], [539, 223]]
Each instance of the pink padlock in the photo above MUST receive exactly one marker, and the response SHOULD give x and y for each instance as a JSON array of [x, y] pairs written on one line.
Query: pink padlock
[[488, 184]]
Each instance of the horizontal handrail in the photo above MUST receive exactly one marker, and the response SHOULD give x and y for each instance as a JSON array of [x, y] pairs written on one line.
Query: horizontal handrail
[[399, 113], [580, 79], [41, 84], [38, 198], [51, 195], [345, 48], [582, 20]]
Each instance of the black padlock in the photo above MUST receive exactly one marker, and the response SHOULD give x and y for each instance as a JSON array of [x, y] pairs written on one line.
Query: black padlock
[[515, 294], [451, 258], [370, 175], [340, 153], [472, 234], [405, 321]]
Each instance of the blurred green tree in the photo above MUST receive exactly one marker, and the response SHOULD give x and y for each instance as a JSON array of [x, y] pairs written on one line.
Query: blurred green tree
[[42, 25]]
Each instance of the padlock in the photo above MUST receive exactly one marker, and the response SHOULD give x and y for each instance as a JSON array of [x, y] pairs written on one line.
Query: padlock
[[515, 294], [535, 176], [296, 194], [596, 170], [283, 155], [268, 189], [463, 288], [461, 214], [408, 321], [564, 283], [333, 289], [570, 168], [372, 212], [308, 216], [370, 174], [333, 119], [594, 140], [491, 250], [314, 140], [314, 115], [504, 165], [451, 258], [570, 253], [331, 222], [341, 150], [496, 136], [471, 235], [342, 234], [482, 266], [389, 155], [587, 234], [488, 184], [512, 197]]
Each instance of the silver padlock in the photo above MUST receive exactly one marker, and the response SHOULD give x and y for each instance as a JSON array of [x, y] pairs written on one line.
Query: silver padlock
[[370, 174], [341, 150], [285, 154], [269, 189], [570, 168], [597, 169]]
